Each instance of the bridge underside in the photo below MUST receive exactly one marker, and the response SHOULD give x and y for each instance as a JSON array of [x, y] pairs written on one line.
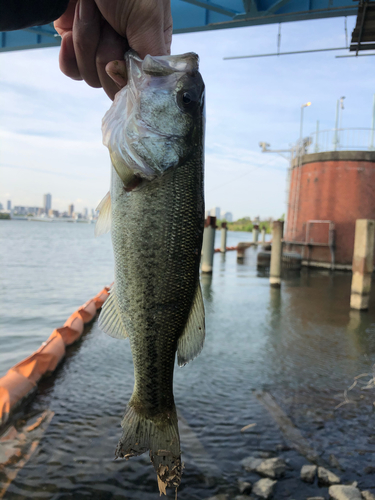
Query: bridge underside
[[204, 15]]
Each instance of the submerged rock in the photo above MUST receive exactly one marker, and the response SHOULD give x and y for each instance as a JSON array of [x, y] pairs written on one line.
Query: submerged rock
[[222, 496], [326, 477], [367, 495], [272, 467], [264, 488], [251, 463], [308, 473], [315, 498], [244, 487], [341, 492]]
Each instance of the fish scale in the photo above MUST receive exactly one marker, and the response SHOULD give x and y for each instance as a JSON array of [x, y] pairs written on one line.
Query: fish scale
[[157, 216]]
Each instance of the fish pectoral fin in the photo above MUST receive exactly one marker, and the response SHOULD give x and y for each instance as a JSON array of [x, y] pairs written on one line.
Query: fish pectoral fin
[[103, 224], [110, 321], [191, 341]]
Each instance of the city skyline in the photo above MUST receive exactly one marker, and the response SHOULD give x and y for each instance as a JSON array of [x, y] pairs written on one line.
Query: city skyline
[[51, 137]]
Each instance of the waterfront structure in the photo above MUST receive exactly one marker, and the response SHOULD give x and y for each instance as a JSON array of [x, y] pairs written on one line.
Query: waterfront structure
[[332, 184], [9, 205], [71, 210], [47, 202]]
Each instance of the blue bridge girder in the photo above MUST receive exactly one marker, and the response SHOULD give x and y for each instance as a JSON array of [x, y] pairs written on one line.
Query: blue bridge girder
[[204, 15]]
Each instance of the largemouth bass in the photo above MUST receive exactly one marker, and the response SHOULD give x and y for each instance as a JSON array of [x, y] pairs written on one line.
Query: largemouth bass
[[155, 211]]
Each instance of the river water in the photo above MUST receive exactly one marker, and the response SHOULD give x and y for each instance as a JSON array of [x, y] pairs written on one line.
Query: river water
[[301, 344]]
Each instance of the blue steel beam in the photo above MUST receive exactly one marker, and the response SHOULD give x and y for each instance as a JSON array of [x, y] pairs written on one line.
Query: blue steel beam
[[203, 15]]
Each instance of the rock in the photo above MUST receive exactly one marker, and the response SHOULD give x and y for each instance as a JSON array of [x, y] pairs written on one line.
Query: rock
[[243, 497], [222, 496], [367, 495], [340, 492], [272, 467], [370, 469], [315, 498], [265, 454], [326, 477], [251, 463], [308, 473], [244, 487], [264, 488]]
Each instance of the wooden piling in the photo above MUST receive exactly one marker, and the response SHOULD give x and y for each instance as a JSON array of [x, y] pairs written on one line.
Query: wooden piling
[[263, 234], [363, 263], [276, 253], [223, 246], [208, 245], [255, 233]]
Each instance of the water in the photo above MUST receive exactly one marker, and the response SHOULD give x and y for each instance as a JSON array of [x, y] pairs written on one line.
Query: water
[[300, 343]]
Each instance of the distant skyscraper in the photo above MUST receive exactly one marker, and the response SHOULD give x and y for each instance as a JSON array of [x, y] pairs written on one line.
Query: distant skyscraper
[[71, 210], [228, 216], [85, 213], [47, 203], [1, 206], [9, 205], [215, 212]]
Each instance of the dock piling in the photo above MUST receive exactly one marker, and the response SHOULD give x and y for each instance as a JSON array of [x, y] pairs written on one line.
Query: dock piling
[[363, 263], [276, 253], [208, 245], [263, 234], [223, 246], [255, 233]]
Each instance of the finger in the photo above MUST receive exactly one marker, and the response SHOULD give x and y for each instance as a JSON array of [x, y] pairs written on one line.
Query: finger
[[65, 22], [86, 35], [168, 25], [145, 31], [111, 47], [117, 71], [67, 58]]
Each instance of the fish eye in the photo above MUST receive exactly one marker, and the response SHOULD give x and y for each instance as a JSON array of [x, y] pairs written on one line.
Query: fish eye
[[186, 98]]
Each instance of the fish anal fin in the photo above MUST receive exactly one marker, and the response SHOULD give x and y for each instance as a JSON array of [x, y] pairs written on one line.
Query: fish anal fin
[[110, 321], [191, 341], [103, 224]]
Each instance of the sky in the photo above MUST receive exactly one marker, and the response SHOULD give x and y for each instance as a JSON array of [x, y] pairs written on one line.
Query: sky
[[50, 127]]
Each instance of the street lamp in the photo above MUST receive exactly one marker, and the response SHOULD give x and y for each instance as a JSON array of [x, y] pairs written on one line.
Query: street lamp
[[301, 123]]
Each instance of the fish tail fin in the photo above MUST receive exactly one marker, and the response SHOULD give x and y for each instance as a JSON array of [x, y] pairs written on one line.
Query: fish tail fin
[[161, 437]]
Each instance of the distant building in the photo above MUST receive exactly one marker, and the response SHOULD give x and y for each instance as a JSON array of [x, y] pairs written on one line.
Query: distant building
[[47, 203], [215, 212], [228, 216], [53, 213], [40, 211], [71, 210], [9, 205], [85, 213], [1, 206]]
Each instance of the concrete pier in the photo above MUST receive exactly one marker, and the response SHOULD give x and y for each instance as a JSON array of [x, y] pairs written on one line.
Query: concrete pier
[[363, 263], [255, 233], [208, 245], [276, 253], [263, 234], [223, 245]]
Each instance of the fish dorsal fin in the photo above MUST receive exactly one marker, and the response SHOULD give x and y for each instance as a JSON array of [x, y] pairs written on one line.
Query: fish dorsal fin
[[191, 341], [103, 224], [110, 321]]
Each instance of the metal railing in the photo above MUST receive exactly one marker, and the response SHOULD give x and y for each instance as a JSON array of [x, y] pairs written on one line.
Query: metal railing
[[341, 139]]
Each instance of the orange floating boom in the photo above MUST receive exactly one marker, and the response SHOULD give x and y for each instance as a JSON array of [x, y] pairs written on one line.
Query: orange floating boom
[[22, 379]]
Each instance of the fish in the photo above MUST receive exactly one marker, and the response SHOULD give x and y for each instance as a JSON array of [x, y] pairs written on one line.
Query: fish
[[154, 132]]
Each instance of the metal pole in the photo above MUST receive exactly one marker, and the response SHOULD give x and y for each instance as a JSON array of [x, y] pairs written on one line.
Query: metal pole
[[208, 245], [372, 125], [316, 149], [335, 140], [301, 127]]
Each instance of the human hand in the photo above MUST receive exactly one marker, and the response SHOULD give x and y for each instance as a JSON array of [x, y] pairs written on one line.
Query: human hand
[[96, 34]]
